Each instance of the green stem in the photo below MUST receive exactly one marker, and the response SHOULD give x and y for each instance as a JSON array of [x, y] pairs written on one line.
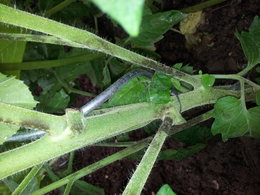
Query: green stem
[[31, 119], [74, 135], [68, 135], [38, 39], [27, 179], [191, 122], [68, 187], [118, 144], [201, 6], [69, 89], [58, 7], [242, 98], [245, 70], [70, 164], [50, 173], [23, 19], [138, 180], [49, 63], [93, 167], [239, 78]]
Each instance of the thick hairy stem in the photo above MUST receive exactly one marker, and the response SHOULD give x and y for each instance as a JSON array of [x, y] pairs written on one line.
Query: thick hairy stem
[[138, 180], [87, 40], [75, 136], [67, 134]]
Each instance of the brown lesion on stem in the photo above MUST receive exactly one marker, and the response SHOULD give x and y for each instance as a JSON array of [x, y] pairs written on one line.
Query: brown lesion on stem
[[35, 124]]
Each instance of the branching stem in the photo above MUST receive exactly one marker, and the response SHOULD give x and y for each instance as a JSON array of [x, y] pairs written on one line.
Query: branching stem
[[86, 39], [93, 167]]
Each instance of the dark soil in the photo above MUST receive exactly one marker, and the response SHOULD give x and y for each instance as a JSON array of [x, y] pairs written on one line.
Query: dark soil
[[221, 168]]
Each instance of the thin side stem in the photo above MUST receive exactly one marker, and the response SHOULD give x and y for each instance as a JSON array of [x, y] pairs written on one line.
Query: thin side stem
[[58, 7], [70, 89], [93, 167], [201, 6], [70, 164], [191, 122], [27, 179], [239, 78], [49, 63], [118, 144], [50, 173], [245, 70], [68, 187], [242, 98]]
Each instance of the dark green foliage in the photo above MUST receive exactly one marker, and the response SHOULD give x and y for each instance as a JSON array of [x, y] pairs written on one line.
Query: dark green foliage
[[232, 119]]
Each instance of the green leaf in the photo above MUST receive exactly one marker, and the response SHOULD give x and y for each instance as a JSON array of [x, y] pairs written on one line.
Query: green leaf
[[166, 190], [13, 182], [250, 42], [254, 29], [154, 26], [186, 68], [207, 80], [4, 189], [106, 76], [10, 89], [138, 90], [181, 153], [161, 81], [258, 98], [158, 96], [159, 90], [254, 123], [257, 80], [193, 135], [116, 67], [233, 120], [57, 103], [134, 91], [127, 13]]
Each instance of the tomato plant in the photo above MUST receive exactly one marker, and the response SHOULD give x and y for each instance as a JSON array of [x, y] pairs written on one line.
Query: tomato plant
[[32, 49]]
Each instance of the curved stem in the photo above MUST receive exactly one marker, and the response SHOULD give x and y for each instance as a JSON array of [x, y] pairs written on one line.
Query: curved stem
[[245, 70]]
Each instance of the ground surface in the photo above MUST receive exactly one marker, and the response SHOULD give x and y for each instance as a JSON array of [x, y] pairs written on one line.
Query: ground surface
[[221, 168]]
